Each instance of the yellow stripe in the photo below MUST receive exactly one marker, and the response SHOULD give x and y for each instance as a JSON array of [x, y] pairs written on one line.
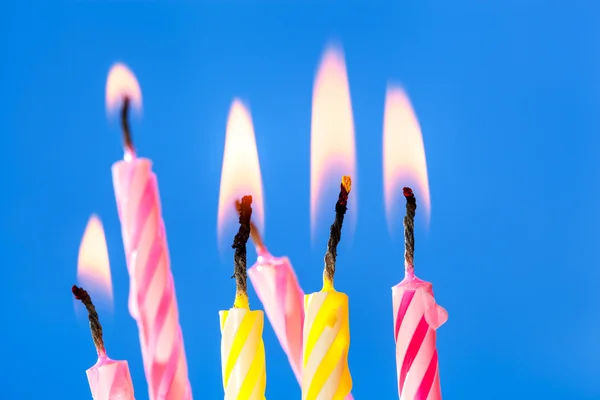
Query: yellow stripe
[[326, 316], [224, 315], [256, 375], [241, 336], [327, 365], [334, 304]]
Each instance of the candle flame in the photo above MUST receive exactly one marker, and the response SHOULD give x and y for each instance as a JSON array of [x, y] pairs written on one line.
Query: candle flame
[[120, 83], [93, 267], [332, 144], [404, 162], [240, 174]]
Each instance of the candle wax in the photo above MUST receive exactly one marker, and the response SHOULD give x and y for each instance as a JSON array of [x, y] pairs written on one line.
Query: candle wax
[[276, 285], [243, 363], [110, 380], [152, 299], [326, 344], [416, 318]]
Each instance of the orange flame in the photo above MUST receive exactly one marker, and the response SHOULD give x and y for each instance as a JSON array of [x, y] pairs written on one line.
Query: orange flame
[[332, 144], [240, 174], [93, 267], [122, 82], [404, 162]]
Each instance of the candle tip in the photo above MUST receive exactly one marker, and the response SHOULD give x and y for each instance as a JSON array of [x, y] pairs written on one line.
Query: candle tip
[[239, 244], [335, 232]]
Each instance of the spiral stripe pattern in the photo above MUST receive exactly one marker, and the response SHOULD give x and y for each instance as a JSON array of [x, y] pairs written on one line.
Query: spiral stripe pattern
[[243, 363], [152, 300], [416, 354], [326, 375]]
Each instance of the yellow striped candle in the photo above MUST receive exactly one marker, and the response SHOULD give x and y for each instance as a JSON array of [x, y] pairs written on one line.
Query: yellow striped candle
[[326, 333], [326, 343], [243, 354], [242, 349]]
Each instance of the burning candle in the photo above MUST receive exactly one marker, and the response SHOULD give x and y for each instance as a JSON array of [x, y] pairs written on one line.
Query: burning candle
[[152, 300], [416, 315], [108, 379], [242, 350], [326, 326], [277, 287], [273, 278]]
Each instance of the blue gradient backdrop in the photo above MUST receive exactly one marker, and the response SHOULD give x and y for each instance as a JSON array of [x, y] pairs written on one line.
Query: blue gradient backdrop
[[507, 93]]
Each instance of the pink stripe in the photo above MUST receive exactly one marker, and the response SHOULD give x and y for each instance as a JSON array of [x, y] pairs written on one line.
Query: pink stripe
[[152, 264], [413, 350], [281, 291], [144, 209], [171, 365], [427, 382], [407, 297]]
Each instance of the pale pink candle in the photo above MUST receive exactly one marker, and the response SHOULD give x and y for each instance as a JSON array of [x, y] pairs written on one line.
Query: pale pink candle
[[276, 285], [152, 300], [416, 318], [108, 379]]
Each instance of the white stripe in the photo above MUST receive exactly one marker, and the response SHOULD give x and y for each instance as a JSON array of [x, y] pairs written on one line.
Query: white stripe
[[333, 382]]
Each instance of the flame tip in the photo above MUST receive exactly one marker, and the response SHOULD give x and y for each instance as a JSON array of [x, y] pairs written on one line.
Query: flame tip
[[93, 265], [240, 174], [122, 83], [333, 142], [404, 158]]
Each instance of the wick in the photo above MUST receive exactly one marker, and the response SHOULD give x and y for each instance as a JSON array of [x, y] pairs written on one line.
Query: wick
[[254, 232], [409, 230], [335, 233], [128, 141], [95, 327], [239, 258]]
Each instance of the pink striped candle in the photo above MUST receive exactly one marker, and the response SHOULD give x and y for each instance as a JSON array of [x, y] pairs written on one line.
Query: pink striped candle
[[108, 379], [152, 300], [416, 318], [276, 285]]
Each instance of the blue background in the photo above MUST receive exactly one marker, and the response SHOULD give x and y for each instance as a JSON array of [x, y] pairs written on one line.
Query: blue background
[[507, 93]]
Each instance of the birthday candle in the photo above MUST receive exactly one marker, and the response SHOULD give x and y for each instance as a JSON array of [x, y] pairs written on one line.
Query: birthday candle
[[108, 379], [416, 318], [276, 285], [152, 300], [326, 325], [243, 363]]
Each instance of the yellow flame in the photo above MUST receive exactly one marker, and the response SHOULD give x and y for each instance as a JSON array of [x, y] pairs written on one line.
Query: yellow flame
[[122, 82], [240, 174], [93, 267], [332, 144], [404, 162]]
